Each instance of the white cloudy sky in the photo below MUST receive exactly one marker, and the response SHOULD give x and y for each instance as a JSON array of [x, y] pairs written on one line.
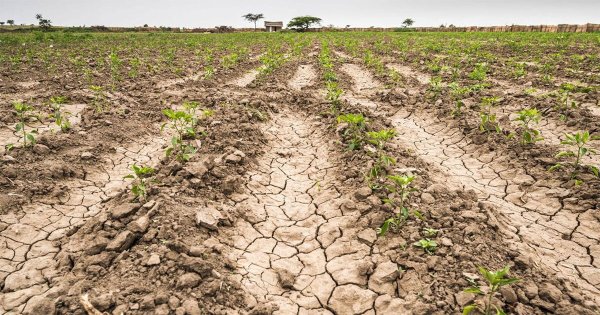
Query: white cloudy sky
[[200, 13]]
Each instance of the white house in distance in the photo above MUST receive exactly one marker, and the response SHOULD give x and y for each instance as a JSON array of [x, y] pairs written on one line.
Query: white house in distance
[[273, 26]]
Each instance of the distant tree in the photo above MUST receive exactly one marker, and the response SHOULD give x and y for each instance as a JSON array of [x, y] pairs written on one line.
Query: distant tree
[[145, 25], [251, 17], [44, 24], [1, 22], [348, 26], [451, 26], [10, 22], [408, 22], [442, 26], [302, 23]]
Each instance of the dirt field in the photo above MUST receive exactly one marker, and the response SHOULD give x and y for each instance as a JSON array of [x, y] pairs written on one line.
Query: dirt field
[[329, 173]]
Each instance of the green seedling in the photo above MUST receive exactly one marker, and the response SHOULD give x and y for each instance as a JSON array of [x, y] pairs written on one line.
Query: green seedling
[[479, 73], [495, 280], [526, 118], [401, 189], [24, 114], [60, 116], [566, 104], [140, 176], [427, 245], [182, 123], [430, 232], [379, 140], [488, 118], [99, 99], [435, 87], [355, 131], [579, 144], [334, 92]]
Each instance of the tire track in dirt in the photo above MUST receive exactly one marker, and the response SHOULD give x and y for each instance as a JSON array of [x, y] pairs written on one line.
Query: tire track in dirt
[[304, 77], [244, 80], [298, 246], [8, 135], [29, 241], [562, 234]]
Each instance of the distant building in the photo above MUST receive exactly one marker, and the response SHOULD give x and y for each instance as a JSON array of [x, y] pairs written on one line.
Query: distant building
[[273, 26]]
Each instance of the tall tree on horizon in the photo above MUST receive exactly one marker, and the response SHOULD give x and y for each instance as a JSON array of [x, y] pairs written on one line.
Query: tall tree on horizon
[[251, 17], [408, 22]]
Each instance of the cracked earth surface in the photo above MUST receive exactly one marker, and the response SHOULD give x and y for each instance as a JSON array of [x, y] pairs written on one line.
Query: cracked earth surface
[[298, 246], [29, 240], [560, 232]]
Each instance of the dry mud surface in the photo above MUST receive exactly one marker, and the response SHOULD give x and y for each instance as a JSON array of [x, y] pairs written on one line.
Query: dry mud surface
[[273, 215]]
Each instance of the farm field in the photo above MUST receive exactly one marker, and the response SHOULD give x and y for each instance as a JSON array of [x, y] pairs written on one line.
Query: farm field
[[299, 173]]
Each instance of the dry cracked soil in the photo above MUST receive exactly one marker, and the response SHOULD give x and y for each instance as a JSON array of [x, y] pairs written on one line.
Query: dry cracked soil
[[273, 216]]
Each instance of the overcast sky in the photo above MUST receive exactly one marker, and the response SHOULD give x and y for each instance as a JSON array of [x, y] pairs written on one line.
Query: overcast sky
[[365, 13]]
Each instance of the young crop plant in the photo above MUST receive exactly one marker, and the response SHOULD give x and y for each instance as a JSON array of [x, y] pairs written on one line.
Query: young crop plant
[[565, 103], [115, 67], [99, 99], [579, 144], [24, 114], [495, 280], [182, 122], [428, 245], [334, 92], [401, 189], [479, 73], [61, 117], [435, 87], [379, 140], [355, 130], [458, 93], [527, 117], [488, 119], [430, 232], [140, 177]]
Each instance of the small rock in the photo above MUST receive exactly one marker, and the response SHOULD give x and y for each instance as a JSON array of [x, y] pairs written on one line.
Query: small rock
[[162, 310], [153, 260], [509, 295], [97, 246], [530, 289], [464, 298], [191, 307], [196, 251], [550, 293], [147, 302], [149, 204], [188, 280], [161, 298], [232, 158], [208, 218], [362, 193], [368, 236], [40, 149], [103, 302], [124, 210], [174, 302], [286, 278], [427, 198], [121, 242], [86, 155], [7, 158], [140, 225]]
